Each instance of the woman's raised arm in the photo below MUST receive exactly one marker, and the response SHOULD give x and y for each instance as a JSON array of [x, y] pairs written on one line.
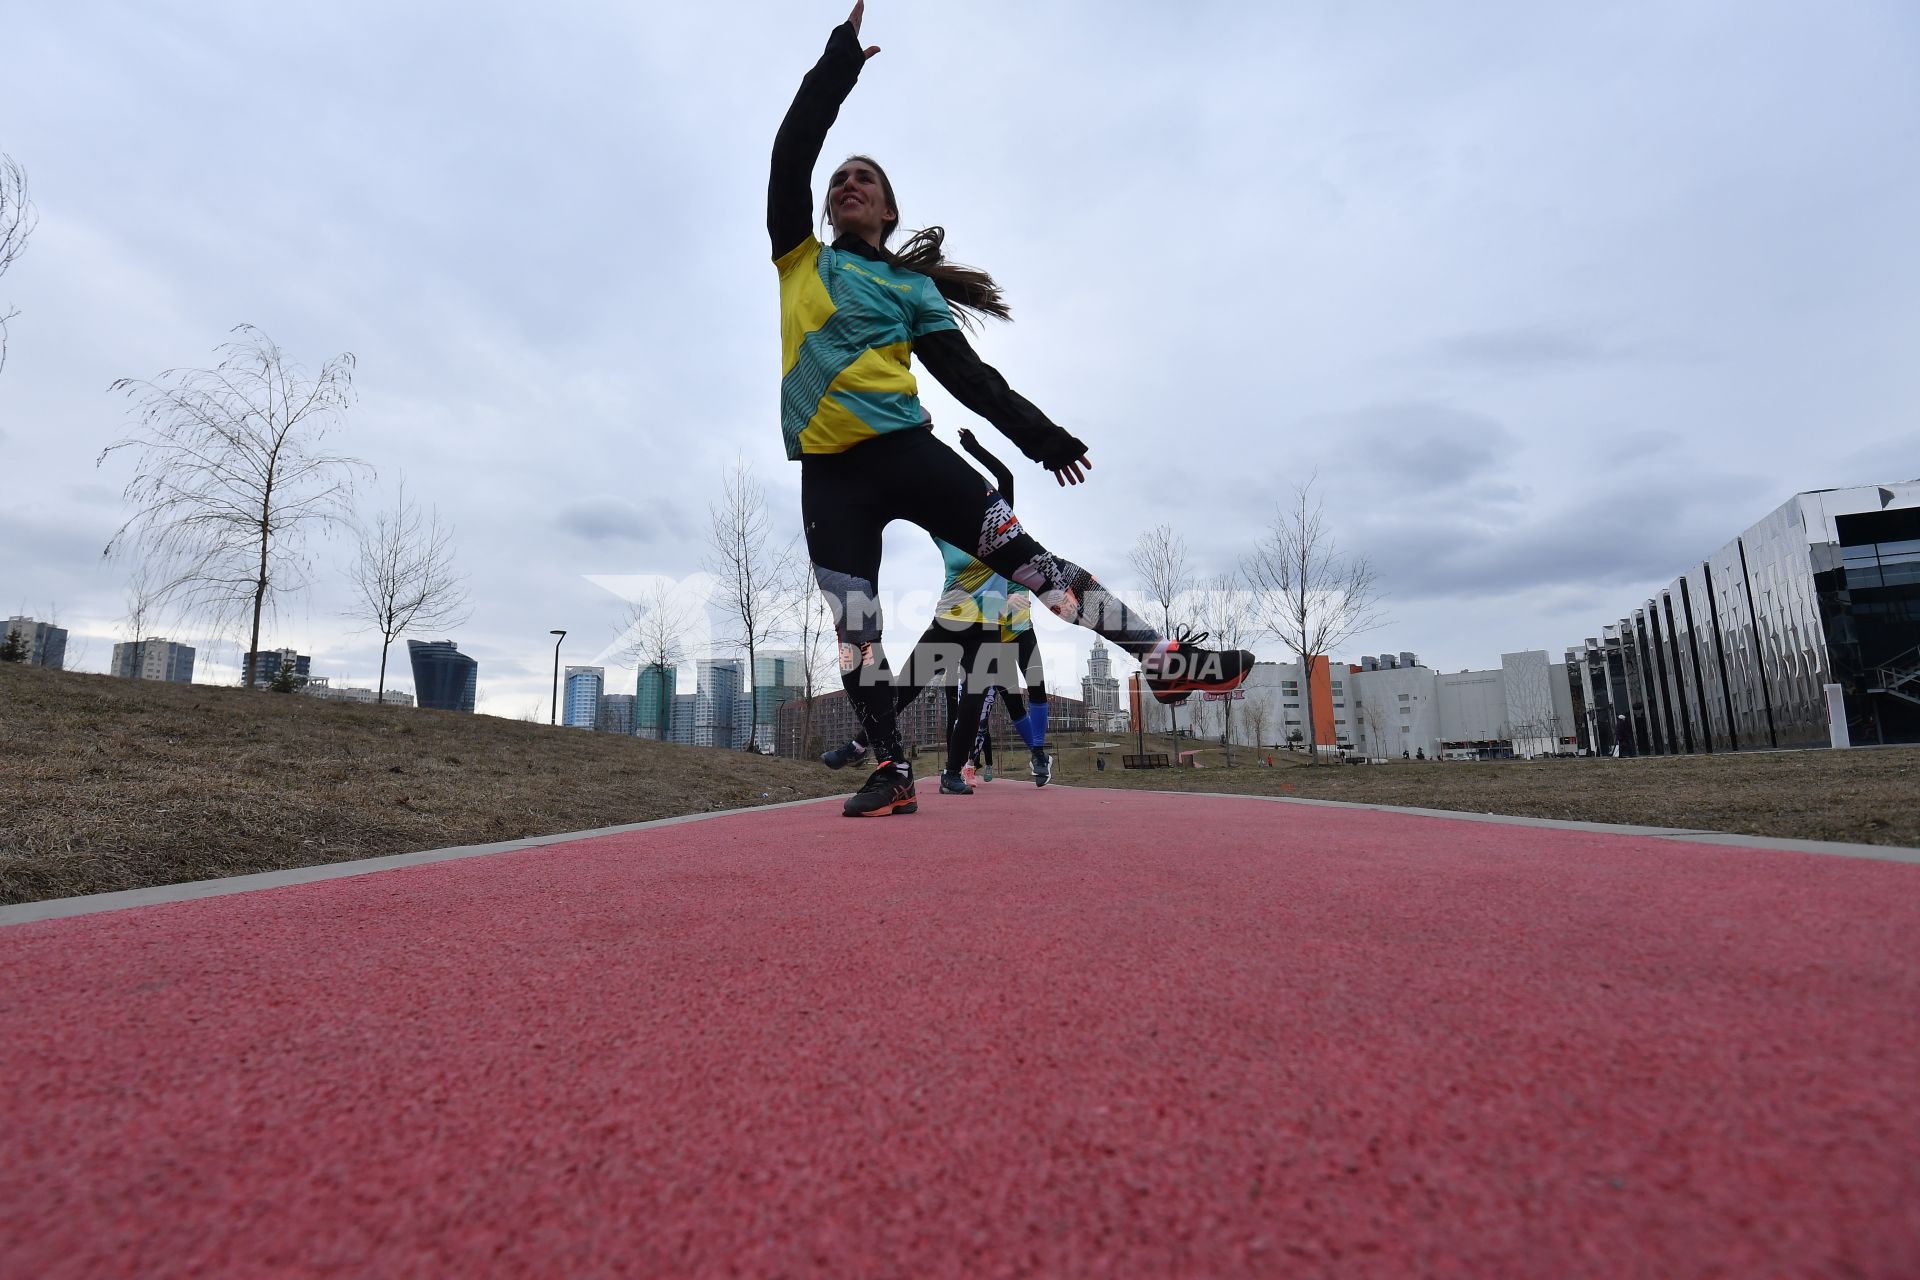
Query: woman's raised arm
[[797, 146]]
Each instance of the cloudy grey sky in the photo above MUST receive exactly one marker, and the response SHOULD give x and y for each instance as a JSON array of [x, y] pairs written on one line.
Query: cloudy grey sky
[[1552, 298]]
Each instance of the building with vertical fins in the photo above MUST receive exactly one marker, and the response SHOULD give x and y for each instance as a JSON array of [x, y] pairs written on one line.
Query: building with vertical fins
[[1736, 653], [444, 679]]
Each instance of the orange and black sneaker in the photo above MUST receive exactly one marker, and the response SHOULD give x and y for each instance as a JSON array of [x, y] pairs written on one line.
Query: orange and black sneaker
[[889, 789], [1178, 668]]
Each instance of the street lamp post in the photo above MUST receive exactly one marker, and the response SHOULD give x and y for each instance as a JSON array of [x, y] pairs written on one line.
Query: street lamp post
[[553, 717]]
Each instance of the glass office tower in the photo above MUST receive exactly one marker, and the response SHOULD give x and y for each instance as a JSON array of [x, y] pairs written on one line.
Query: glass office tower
[[580, 708], [444, 679], [653, 703]]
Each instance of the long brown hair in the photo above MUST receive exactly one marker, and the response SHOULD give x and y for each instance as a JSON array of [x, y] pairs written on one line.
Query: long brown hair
[[969, 289]]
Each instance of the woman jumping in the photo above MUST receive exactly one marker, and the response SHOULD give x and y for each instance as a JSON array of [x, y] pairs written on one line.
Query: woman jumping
[[852, 314]]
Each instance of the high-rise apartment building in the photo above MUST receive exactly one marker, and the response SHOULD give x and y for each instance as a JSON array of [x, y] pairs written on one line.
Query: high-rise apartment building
[[690, 712], [584, 685], [653, 702], [778, 678], [616, 714], [153, 659], [720, 687], [41, 643], [267, 664], [444, 679]]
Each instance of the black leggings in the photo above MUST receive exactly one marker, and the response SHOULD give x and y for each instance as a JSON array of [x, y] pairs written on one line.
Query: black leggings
[[972, 708], [846, 502]]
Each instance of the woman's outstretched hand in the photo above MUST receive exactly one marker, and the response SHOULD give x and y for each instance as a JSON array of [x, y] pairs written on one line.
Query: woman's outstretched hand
[[1073, 472], [859, 9]]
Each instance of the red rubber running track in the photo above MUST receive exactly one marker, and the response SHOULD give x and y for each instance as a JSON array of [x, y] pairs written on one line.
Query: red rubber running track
[[1057, 1032]]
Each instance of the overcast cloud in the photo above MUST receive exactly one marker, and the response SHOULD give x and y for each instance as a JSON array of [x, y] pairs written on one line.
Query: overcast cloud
[[1551, 298]]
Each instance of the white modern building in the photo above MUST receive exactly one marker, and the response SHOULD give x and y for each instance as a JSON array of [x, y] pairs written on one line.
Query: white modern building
[[323, 687], [1399, 711]]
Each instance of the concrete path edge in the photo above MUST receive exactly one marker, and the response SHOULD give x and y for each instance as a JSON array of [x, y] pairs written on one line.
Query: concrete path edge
[[188, 890]]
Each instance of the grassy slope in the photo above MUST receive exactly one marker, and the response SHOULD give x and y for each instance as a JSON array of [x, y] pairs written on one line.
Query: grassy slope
[[115, 784], [1869, 796]]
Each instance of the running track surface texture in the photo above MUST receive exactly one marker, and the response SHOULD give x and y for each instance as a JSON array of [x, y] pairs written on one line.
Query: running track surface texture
[[1051, 1032]]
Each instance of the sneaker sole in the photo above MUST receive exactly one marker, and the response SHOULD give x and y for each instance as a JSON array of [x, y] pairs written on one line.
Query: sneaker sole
[[898, 806], [1179, 691]]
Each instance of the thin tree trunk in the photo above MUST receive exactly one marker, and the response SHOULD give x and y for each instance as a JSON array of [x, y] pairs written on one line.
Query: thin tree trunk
[[380, 697], [252, 662], [753, 697], [260, 583]]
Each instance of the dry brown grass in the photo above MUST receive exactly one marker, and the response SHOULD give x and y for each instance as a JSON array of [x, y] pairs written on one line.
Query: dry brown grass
[[117, 784], [1869, 796]]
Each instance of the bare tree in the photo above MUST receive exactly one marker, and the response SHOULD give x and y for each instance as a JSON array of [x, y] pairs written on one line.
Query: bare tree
[[143, 609], [1256, 713], [1160, 558], [403, 576], [747, 586], [1533, 727], [1309, 595], [231, 477], [655, 627], [18, 218], [1224, 607]]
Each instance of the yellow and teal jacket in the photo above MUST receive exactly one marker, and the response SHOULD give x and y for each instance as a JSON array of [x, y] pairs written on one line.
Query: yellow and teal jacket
[[851, 320], [848, 323]]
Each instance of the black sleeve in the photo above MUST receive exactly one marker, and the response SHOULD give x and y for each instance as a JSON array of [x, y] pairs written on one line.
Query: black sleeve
[[1002, 478], [797, 146], [951, 359]]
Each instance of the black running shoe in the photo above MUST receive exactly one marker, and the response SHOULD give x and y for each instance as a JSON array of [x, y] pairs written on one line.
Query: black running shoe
[[889, 789], [1179, 667], [1042, 766], [845, 754], [952, 784]]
